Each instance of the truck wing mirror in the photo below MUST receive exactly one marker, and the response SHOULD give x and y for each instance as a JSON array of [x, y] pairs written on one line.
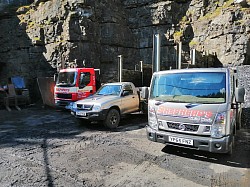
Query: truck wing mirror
[[239, 94], [144, 92]]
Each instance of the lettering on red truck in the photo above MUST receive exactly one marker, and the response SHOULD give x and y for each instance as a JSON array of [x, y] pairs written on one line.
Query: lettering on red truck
[[81, 94], [65, 90]]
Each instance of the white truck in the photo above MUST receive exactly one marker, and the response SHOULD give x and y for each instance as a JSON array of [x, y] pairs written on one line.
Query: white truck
[[108, 104], [195, 108]]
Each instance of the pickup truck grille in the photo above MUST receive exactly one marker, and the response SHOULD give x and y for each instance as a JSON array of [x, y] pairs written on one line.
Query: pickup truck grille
[[184, 127], [64, 96], [84, 107]]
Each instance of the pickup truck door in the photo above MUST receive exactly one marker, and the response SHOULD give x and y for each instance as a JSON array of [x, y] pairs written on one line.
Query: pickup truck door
[[130, 102]]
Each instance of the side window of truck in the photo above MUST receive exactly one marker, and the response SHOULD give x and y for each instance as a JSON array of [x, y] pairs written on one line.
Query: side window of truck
[[128, 88], [84, 79]]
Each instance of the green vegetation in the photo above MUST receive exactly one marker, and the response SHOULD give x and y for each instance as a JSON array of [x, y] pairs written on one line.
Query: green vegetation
[[193, 43], [27, 7], [37, 39], [184, 21], [178, 35], [217, 11]]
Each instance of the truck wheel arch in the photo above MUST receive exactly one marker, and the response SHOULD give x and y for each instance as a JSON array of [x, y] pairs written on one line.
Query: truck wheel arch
[[113, 117]]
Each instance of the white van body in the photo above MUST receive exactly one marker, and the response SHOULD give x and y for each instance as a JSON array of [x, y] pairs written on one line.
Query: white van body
[[195, 108]]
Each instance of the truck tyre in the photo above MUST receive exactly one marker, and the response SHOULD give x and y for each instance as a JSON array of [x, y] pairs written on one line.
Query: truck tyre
[[84, 122], [113, 119]]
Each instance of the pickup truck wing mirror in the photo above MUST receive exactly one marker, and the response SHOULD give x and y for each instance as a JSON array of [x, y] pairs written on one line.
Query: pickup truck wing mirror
[[239, 94], [125, 93], [144, 92]]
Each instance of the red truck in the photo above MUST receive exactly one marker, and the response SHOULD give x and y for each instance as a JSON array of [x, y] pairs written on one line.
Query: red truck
[[74, 84]]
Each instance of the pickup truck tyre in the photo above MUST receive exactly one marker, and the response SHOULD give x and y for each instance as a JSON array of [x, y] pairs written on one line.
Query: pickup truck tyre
[[113, 119], [82, 121]]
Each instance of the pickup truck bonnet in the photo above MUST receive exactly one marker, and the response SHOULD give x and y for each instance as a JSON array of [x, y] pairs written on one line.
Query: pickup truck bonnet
[[98, 99]]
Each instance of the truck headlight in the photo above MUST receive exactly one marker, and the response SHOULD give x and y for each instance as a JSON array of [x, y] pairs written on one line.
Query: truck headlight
[[218, 129], [96, 108], [152, 120]]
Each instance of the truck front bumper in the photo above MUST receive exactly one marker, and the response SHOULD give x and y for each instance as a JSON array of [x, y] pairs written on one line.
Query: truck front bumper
[[63, 104], [215, 145], [92, 116]]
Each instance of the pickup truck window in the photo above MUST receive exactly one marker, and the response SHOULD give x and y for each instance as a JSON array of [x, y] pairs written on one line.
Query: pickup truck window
[[198, 87], [109, 90], [128, 88]]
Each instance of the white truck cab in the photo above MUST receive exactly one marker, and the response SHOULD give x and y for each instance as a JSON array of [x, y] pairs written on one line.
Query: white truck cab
[[195, 108]]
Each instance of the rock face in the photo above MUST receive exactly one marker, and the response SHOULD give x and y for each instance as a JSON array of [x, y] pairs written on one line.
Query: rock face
[[43, 36]]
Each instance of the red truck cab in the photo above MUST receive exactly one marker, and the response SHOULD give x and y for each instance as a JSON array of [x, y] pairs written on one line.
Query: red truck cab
[[74, 84]]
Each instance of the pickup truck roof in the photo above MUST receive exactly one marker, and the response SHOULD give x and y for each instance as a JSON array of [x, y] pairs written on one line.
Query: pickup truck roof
[[118, 83]]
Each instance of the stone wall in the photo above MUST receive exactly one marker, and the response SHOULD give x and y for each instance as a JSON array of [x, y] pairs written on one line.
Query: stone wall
[[244, 80], [40, 38]]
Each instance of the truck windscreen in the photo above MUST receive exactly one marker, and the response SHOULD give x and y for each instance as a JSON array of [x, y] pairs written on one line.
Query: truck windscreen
[[109, 90], [66, 79], [195, 87]]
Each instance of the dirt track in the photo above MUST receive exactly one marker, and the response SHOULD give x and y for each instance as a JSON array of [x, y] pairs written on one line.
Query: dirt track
[[44, 147]]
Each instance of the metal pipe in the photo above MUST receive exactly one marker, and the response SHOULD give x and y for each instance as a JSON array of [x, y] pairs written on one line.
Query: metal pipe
[[120, 68], [141, 63], [156, 52], [179, 55], [193, 56]]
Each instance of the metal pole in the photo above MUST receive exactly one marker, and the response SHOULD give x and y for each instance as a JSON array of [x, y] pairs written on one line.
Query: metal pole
[[193, 56], [179, 56], [120, 68], [141, 62], [156, 52]]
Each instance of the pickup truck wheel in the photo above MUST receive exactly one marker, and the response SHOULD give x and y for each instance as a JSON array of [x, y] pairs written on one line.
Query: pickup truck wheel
[[82, 121], [113, 119]]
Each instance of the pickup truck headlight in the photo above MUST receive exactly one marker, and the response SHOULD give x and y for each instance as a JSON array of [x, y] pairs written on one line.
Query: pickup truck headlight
[[96, 108], [152, 120], [74, 105], [218, 129]]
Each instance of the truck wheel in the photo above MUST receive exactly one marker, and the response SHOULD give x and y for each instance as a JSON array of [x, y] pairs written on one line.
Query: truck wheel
[[84, 122], [113, 119]]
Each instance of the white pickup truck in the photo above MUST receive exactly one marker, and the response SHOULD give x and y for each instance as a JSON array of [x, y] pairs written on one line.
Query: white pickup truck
[[108, 104]]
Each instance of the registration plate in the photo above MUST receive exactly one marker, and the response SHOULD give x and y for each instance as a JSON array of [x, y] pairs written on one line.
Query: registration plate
[[80, 113], [180, 140]]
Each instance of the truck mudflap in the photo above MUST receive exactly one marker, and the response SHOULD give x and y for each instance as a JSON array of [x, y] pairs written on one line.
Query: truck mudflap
[[215, 145]]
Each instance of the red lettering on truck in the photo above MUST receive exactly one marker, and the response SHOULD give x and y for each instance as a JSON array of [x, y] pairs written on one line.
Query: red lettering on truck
[[66, 90], [183, 112]]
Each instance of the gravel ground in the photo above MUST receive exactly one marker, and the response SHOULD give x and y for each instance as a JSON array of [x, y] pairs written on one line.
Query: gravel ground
[[45, 147]]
